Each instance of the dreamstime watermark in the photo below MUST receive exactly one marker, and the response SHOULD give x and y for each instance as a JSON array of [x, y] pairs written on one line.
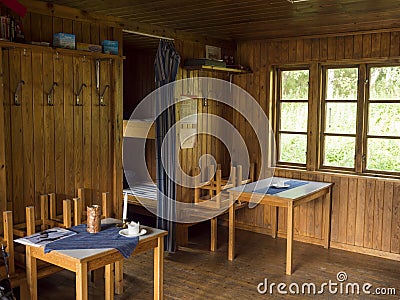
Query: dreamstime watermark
[[338, 287]]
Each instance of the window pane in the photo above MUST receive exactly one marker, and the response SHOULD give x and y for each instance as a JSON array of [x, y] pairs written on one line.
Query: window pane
[[293, 148], [383, 154], [384, 119], [341, 118], [339, 151], [384, 83], [342, 84], [294, 116], [294, 85]]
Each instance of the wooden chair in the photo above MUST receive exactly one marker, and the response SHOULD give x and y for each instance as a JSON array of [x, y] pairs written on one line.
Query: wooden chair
[[214, 198], [216, 186], [16, 259], [80, 211]]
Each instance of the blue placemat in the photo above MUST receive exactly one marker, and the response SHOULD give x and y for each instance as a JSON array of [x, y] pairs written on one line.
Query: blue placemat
[[273, 190], [108, 237]]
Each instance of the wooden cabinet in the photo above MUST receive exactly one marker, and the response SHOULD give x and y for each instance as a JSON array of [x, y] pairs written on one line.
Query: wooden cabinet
[[56, 136]]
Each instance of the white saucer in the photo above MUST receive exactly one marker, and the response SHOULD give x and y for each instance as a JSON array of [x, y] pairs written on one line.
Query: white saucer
[[124, 232], [278, 186]]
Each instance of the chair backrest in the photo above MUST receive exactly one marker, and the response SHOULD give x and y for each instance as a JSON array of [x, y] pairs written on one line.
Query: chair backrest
[[80, 206]]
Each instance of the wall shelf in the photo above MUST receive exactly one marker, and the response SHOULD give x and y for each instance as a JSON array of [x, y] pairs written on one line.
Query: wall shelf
[[12, 45], [217, 69]]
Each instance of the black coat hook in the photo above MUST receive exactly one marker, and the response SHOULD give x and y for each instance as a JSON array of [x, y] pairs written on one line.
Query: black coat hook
[[78, 95], [16, 99], [102, 103], [50, 101]]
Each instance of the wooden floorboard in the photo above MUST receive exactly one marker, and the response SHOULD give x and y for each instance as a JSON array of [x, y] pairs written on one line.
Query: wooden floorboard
[[195, 273]]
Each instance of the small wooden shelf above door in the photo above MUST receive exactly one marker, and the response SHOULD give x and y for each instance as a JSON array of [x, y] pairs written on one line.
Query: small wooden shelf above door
[[139, 129], [217, 69]]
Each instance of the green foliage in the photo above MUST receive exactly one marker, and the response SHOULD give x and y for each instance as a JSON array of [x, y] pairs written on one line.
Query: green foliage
[[385, 83], [295, 85], [293, 148], [342, 84], [383, 154], [339, 151], [383, 118]]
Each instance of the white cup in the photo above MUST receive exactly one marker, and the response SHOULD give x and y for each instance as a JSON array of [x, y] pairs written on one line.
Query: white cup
[[280, 182], [133, 228]]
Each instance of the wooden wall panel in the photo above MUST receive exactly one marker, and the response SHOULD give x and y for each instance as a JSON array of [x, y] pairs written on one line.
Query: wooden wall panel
[[61, 147], [365, 211]]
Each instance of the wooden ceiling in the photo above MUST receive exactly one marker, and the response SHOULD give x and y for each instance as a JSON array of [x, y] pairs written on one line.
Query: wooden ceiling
[[251, 19]]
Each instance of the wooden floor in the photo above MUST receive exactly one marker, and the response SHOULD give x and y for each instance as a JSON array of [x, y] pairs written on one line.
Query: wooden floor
[[195, 273]]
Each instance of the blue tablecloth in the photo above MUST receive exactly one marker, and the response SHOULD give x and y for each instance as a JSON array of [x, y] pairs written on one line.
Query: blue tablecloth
[[273, 190], [108, 237]]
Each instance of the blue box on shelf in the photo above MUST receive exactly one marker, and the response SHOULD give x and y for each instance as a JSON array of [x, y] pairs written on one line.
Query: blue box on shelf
[[64, 40], [110, 47]]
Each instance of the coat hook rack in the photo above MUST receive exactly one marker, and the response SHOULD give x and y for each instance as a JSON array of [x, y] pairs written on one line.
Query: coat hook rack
[[16, 100], [50, 101], [78, 95], [102, 95]]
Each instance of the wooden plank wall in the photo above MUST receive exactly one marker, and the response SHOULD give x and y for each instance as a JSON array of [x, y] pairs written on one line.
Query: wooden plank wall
[[205, 144], [365, 211], [139, 81], [60, 148]]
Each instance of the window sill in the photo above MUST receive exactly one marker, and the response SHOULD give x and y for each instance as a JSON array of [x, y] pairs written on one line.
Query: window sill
[[341, 172]]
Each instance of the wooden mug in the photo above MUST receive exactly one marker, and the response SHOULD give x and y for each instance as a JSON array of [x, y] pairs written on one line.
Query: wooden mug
[[93, 218]]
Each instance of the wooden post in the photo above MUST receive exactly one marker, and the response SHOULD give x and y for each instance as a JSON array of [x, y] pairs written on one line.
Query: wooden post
[[218, 188], [31, 273], [289, 238], [233, 176], [239, 175], [30, 220], [252, 172], [231, 235], [214, 234], [3, 175], [9, 237], [119, 277], [159, 269], [327, 218], [77, 211], [109, 281], [274, 221], [81, 195], [197, 184], [106, 203], [67, 213], [44, 210], [53, 206], [81, 281], [211, 178]]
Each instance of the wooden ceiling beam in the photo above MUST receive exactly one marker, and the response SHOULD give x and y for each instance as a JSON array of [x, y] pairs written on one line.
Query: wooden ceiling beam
[[66, 12]]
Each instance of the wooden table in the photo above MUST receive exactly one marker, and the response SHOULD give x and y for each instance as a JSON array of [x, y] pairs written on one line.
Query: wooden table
[[287, 198], [84, 260]]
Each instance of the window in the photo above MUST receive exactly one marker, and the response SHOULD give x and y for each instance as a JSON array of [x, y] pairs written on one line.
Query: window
[[339, 117], [292, 115], [382, 140], [353, 113]]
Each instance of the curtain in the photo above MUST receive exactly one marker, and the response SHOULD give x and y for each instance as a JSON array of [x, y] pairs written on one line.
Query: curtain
[[166, 67]]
